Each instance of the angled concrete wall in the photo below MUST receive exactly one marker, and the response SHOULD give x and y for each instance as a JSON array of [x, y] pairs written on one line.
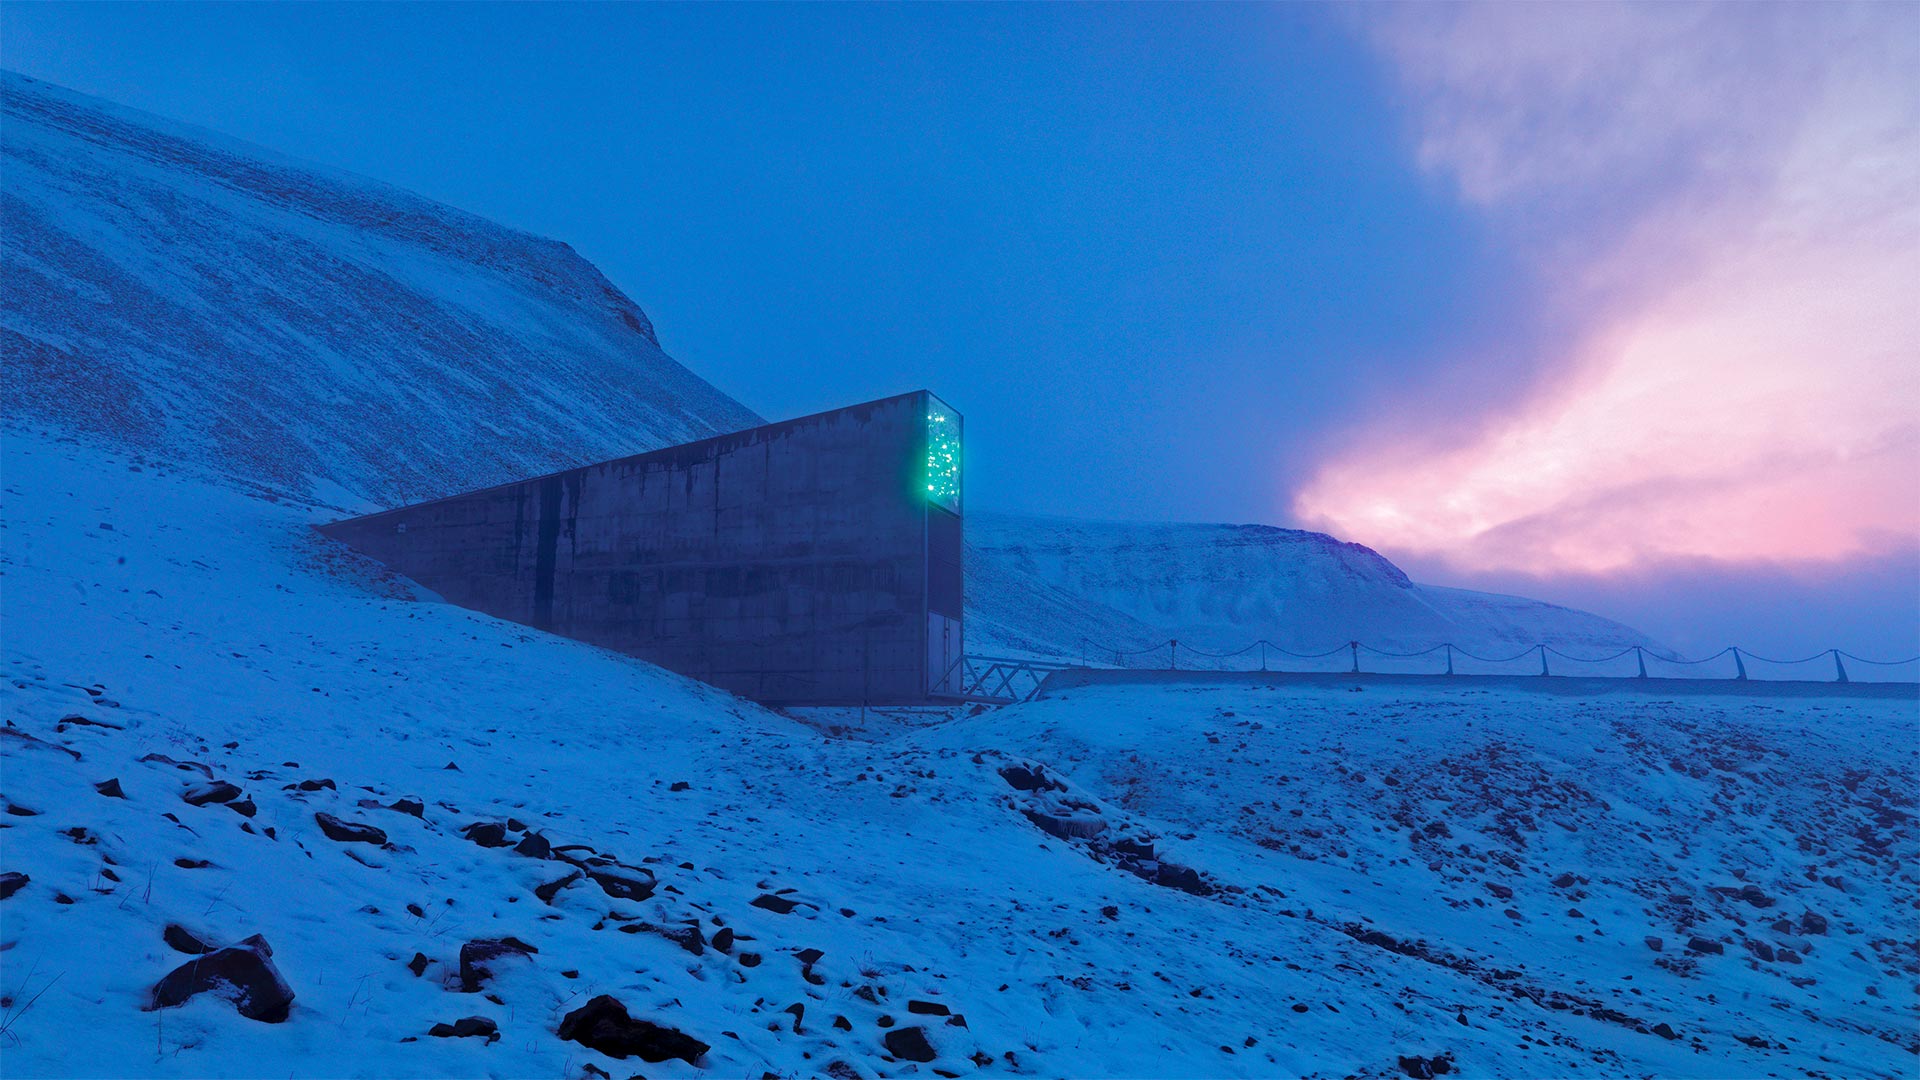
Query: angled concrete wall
[[787, 563]]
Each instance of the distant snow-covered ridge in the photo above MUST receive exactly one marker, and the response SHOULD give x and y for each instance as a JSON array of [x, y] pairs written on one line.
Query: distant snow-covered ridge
[[1221, 587], [315, 333]]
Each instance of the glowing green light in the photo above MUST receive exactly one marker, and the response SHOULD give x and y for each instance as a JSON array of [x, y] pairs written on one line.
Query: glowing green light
[[943, 456]]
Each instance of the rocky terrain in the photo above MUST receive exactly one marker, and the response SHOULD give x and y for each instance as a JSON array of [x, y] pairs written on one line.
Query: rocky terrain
[[267, 814]]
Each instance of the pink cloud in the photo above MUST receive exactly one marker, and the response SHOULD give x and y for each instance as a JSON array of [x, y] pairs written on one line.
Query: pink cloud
[[1724, 206]]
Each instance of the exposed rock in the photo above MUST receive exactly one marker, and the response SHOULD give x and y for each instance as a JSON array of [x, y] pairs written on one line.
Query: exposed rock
[[218, 791], [243, 974], [1426, 1068], [1564, 881], [1665, 1030], [533, 846], [418, 965], [487, 834], [779, 905], [1500, 891], [316, 785], [1184, 878], [1655, 943], [909, 1044], [12, 882], [349, 832], [243, 807], [1067, 827], [680, 785], [183, 765], [603, 1024], [410, 806], [552, 888], [1021, 778], [622, 886], [110, 788], [465, 1027], [183, 940], [928, 1008], [1811, 923], [687, 937], [1760, 949], [1703, 945], [723, 939], [478, 958]]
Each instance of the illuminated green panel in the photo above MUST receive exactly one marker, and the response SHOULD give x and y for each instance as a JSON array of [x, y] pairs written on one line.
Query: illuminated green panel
[[943, 455]]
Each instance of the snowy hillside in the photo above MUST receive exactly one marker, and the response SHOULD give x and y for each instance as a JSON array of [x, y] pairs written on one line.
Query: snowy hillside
[[304, 328], [1220, 587], [318, 334], [218, 725]]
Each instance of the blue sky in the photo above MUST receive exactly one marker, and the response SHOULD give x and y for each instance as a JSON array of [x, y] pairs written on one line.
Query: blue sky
[[1387, 272]]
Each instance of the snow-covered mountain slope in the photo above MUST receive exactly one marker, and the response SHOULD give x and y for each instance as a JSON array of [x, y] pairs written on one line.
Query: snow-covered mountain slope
[[1222, 587], [1245, 882], [319, 334], [302, 327]]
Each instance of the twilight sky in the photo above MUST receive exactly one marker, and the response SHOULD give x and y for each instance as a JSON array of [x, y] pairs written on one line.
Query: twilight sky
[[1612, 305]]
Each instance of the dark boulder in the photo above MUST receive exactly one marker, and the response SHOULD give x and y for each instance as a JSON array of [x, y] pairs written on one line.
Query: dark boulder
[[1704, 945], [1184, 878], [410, 806], [243, 807], [552, 888], [316, 785], [349, 832], [243, 974], [183, 940], [1500, 891], [479, 958], [624, 886], [216, 792], [927, 1008], [1811, 923], [12, 882], [687, 937], [779, 905], [110, 788], [418, 965], [1426, 1068], [909, 1044], [487, 834], [466, 1027], [603, 1024], [534, 846], [1020, 778]]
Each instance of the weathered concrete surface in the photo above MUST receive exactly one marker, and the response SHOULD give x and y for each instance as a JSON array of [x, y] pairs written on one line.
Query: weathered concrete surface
[[787, 563]]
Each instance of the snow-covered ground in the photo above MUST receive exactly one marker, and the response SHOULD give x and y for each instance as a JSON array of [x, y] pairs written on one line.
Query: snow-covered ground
[[1326, 871]]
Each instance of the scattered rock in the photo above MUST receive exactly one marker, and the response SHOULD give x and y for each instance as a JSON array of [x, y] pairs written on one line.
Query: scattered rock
[[1655, 944], [723, 939], [1665, 1030], [552, 888], [1811, 923], [12, 882], [243, 974], [110, 788], [487, 834], [477, 959], [1564, 881], [1500, 891], [183, 765], [1426, 1068], [349, 832], [418, 965], [680, 785], [1703, 945], [1021, 778], [465, 1027], [928, 1008], [603, 1024], [622, 887], [1067, 827], [534, 846], [410, 806], [687, 937], [909, 1044], [218, 791], [779, 905], [184, 940], [243, 807], [316, 785]]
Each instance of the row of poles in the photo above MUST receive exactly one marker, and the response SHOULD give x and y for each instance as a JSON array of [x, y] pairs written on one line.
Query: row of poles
[[1352, 648]]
